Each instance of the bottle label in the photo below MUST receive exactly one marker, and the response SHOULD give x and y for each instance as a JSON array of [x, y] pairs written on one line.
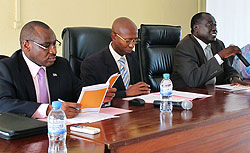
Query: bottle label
[[57, 128], [165, 91]]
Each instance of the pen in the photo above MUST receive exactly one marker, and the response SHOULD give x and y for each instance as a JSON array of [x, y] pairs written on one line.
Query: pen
[[76, 108]]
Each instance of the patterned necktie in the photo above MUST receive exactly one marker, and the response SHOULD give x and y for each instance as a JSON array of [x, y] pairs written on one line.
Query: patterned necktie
[[209, 55], [44, 98], [124, 72]]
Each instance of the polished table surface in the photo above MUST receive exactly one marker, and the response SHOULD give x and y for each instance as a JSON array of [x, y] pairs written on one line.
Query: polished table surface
[[216, 124], [220, 123], [40, 143]]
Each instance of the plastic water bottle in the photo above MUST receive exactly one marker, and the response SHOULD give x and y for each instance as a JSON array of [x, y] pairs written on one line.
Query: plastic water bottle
[[57, 129], [166, 88]]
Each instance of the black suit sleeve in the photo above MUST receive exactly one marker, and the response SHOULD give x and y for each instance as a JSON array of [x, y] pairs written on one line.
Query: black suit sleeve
[[9, 98]]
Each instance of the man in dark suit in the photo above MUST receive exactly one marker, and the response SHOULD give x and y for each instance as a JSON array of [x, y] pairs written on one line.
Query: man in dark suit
[[98, 67], [20, 89], [201, 59]]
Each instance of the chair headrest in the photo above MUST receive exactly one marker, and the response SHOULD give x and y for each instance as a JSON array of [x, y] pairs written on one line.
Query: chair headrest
[[160, 34]]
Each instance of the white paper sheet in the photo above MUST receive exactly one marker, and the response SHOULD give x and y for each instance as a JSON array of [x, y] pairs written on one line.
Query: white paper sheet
[[178, 96], [233, 88], [90, 117]]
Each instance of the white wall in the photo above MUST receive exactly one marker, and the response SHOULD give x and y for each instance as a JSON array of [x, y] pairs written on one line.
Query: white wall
[[59, 14], [233, 20]]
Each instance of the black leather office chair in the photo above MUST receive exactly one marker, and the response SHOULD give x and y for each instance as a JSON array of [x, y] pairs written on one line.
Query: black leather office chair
[[80, 42], [155, 52], [3, 56]]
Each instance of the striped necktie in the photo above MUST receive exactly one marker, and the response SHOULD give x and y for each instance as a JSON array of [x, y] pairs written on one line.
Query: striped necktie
[[124, 72], [44, 98]]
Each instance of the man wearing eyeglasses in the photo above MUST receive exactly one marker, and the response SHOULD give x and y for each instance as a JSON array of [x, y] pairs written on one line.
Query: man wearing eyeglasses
[[34, 76], [118, 57]]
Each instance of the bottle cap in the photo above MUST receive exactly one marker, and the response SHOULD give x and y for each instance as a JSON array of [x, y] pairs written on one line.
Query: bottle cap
[[56, 104], [166, 75]]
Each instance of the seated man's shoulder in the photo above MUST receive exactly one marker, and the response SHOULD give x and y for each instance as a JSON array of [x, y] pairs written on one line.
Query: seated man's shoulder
[[133, 56], [61, 60], [9, 61], [96, 56], [188, 40]]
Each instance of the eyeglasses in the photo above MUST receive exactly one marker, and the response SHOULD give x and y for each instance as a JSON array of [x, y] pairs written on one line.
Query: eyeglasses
[[55, 44], [128, 41]]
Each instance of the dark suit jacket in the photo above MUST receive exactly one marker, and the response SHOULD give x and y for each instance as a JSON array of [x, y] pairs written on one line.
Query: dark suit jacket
[[17, 90], [191, 68], [98, 67]]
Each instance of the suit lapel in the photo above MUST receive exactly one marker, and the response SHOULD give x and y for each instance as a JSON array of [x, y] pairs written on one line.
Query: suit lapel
[[53, 82], [25, 74], [199, 51], [131, 67], [113, 68]]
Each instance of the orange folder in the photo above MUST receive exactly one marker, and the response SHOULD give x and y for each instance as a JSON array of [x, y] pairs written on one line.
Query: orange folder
[[112, 79], [92, 97]]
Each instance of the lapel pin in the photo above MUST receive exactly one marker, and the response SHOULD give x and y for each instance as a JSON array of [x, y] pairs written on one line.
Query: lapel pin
[[54, 75]]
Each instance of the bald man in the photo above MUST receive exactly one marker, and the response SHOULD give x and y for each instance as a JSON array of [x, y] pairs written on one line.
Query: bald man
[[21, 89], [98, 67]]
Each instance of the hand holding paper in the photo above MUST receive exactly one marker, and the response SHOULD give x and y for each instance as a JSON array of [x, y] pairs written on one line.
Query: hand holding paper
[[111, 91], [91, 97], [109, 95]]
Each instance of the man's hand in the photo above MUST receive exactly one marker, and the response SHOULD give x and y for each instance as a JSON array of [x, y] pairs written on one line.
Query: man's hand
[[138, 89], [69, 108], [229, 51], [238, 81], [110, 95]]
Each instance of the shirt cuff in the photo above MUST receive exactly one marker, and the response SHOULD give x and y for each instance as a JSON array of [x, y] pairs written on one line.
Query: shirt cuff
[[218, 59], [41, 111]]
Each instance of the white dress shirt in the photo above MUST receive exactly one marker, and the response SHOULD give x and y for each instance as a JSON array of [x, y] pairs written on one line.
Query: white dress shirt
[[34, 68], [203, 46]]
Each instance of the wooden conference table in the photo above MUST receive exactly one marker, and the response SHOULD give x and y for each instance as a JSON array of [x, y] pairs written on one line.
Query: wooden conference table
[[220, 123]]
